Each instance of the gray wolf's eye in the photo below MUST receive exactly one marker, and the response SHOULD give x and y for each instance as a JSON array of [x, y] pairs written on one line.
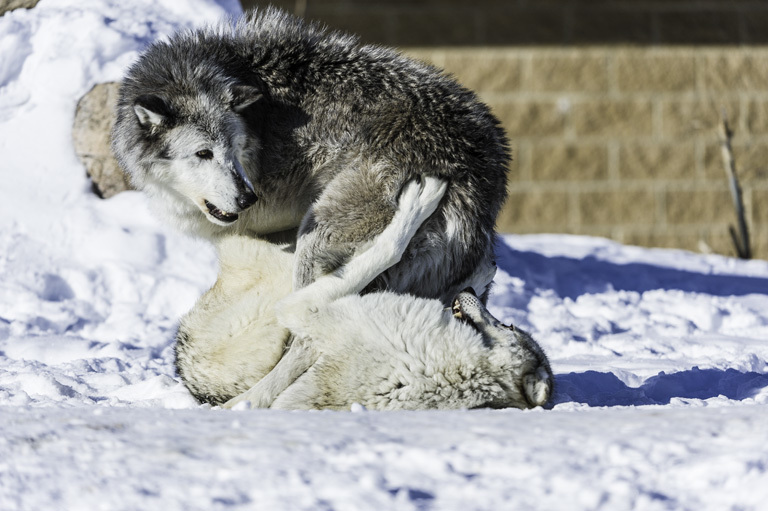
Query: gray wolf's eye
[[205, 154]]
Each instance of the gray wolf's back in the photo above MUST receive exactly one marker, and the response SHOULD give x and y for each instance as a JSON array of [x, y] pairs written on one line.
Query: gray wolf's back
[[340, 128]]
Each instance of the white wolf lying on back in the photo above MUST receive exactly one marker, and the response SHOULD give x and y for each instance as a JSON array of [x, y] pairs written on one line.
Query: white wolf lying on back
[[384, 350]]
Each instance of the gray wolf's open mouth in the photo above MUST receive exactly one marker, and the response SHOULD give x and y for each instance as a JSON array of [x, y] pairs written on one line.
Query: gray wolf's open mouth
[[219, 214]]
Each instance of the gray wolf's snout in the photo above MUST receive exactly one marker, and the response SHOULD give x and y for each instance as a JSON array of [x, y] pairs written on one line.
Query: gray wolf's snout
[[247, 199]]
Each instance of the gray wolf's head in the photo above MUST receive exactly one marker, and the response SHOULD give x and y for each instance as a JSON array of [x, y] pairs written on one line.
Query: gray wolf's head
[[194, 146], [185, 131], [516, 361]]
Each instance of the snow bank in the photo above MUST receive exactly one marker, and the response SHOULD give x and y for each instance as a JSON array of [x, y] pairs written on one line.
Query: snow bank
[[660, 355]]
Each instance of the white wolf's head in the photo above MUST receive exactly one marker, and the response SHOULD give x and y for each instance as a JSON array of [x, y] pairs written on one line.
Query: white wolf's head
[[197, 147], [516, 360]]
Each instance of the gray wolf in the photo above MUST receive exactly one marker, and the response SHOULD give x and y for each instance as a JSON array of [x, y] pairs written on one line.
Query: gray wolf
[[276, 123], [383, 350]]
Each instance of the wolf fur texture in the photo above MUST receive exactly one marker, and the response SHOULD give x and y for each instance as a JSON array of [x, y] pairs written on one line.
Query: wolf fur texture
[[276, 123], [231, 338], [383, 350]]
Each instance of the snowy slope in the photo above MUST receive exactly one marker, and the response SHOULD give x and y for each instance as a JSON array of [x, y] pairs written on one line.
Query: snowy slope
[[660, 355]]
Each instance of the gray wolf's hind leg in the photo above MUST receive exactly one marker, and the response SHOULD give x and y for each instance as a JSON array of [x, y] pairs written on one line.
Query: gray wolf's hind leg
[[418, 200], [351, 210]]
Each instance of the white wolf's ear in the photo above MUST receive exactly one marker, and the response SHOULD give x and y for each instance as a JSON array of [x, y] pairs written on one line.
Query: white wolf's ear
[[244, 96], [151, 110]]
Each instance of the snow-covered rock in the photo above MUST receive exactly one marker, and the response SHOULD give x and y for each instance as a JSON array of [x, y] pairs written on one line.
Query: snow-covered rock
[[94, 118]]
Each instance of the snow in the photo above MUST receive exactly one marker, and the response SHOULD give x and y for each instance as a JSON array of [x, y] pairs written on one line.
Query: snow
[[660, 355]]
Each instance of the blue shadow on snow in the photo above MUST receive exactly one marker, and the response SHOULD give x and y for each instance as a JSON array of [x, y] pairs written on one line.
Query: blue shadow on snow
[[574, 277], [605, 389]]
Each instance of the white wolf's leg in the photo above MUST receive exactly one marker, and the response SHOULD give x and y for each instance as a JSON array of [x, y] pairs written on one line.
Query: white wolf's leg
[[295, 362], [418, 200]]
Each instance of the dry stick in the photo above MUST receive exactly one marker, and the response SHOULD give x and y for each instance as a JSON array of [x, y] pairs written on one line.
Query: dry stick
[[740, 240]]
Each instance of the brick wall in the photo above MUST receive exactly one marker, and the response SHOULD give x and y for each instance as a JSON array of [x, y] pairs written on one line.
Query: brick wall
[[622, 142], [610, 137]]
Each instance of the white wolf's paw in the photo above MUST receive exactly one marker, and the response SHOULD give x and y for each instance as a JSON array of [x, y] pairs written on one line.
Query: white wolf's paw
[[242, 405], [248, 400], [237, 403], [421, 196], [419, 199]]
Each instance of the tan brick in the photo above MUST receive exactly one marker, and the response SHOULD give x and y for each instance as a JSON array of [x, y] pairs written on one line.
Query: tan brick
[[560, 229], [713, 238], [621, 206], [756, 116], [534, 209], [612, 118], [576, 72], [662, 239], [686, 118], [713, 162], [738, 70], [759, 239], [569, 162], [751, 162], [433, 57], [759, 207], [485, 71], [652, 161], [699, 206], [530, 118], [718, 239], [520, 168], [642, 71]]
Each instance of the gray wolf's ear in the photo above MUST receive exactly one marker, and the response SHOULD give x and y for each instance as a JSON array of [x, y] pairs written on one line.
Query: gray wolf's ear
[[151, 110], [244, 96]]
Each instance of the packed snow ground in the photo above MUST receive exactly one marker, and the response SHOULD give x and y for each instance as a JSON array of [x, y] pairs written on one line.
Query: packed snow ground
[[660, 355]]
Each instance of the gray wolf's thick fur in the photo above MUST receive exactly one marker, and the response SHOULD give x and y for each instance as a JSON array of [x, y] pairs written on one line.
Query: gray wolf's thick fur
[[383, 350], [321, 132]]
